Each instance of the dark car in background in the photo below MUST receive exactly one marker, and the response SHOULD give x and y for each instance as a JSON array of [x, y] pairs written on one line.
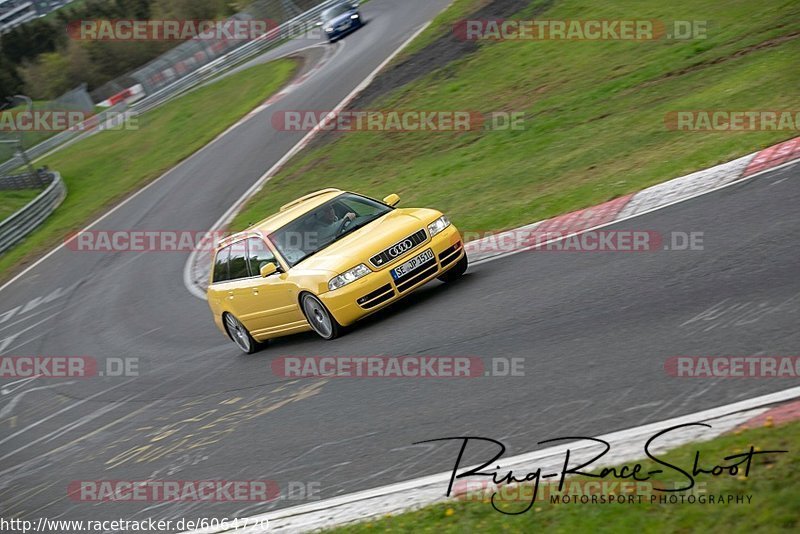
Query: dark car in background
[[340, 20]]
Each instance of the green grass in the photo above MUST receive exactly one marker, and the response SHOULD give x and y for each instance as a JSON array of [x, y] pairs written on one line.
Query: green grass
[[103, 169], [774, 484], [11, 201], [595, 116]]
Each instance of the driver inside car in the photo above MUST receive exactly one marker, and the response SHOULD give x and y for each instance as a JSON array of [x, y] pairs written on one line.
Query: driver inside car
[[330, 223]]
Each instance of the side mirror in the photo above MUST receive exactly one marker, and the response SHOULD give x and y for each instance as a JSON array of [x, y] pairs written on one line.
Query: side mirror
[[392, 200], [268, 270]]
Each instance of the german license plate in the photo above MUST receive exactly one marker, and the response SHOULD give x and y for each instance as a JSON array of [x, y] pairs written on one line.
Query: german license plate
[[412, 265]]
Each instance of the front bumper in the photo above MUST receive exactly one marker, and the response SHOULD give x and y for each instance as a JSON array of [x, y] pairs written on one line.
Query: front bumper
[[379, 289], [338, 33]]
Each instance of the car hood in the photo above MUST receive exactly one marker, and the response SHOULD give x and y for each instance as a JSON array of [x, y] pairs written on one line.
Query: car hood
[[340, 18], [359, 246]]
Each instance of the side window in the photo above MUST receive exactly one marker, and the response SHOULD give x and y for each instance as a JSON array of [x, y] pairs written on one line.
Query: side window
[[259, 255], [221, 266], [238, 261]]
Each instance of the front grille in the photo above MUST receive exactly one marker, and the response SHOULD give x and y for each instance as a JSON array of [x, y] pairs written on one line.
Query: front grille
[[377, 297], [423, 271], [449, 256], [399, 249]]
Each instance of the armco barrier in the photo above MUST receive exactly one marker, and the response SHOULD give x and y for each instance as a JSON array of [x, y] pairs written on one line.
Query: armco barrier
[[25, 181], [232, 59], [23, 222]]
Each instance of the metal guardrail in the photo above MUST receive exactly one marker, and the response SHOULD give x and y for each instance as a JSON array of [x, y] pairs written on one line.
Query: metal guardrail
[[297, 26], [28, 180], [113, 116], [23, 222]]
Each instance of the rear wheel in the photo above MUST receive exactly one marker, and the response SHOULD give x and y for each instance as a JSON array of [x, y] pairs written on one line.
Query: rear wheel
[[456, 272], [240, 336], [320, 319]]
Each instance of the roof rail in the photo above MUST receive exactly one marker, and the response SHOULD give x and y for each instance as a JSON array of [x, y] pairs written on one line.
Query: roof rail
[[308, 197]]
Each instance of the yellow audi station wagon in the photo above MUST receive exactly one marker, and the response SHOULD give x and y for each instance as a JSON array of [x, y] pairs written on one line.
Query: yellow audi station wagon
[[324, 262]]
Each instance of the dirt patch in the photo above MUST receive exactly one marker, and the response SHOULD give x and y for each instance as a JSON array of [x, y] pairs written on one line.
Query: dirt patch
[[444, 50], [438, 54]]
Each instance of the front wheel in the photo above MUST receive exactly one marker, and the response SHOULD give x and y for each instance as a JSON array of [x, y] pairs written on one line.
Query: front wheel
[[320, 319], [240, 336], [456, 272]]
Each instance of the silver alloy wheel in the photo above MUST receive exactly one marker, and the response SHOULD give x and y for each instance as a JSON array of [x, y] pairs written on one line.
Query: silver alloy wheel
[[238, 333], [317, 316]]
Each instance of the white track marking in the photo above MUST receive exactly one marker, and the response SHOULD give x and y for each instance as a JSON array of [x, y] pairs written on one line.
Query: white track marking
[[56, 414], [627, 445], [8, 408], [6, 341], [25, 319]]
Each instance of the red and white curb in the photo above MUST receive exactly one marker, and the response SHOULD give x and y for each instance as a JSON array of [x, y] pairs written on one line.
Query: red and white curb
[[779, 415], [626, 446], [647, 200]]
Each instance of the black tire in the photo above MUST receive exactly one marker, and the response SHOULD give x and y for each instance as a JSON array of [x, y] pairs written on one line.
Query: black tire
[[456, 272], [239, 335], [320, 319]]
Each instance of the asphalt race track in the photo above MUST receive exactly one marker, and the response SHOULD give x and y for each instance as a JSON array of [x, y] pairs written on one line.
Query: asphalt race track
[[594, 329]]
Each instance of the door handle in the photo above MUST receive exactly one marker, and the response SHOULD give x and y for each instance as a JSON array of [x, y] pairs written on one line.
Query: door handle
[[255, 292], [230, 295]]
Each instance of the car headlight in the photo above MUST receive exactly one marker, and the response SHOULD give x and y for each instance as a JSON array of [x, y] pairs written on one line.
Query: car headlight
[[359, 271], [355, 16], [438, 225], [329, 29]]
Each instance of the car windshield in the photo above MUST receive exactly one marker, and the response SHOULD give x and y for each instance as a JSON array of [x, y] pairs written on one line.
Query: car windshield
[[324, 225], [336, 11]]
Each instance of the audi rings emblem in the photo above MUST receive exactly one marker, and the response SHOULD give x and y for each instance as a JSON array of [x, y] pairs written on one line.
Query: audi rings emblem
[[400, 248]]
